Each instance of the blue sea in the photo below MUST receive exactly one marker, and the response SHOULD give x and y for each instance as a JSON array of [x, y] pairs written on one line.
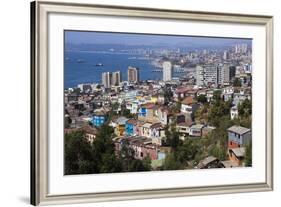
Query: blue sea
[[86, 71]]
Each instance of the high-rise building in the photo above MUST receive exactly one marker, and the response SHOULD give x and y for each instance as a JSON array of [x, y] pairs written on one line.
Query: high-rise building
[[106, 79], [241, 48], [111, 79], [229, 73], [209, 74], [167, 71], [116, 78], [225, 55], [220, 74], [199, 75], [133, 74]]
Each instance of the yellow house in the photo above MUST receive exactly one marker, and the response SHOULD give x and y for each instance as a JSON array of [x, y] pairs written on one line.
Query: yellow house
[[120, 126]]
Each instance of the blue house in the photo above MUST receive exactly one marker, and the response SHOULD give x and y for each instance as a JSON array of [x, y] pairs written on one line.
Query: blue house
[[130, 128], [238, 136], [142, 111], [99, 118]]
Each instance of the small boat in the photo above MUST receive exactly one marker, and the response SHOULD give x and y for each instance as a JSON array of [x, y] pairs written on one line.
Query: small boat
[[80, 61], [99, 64]]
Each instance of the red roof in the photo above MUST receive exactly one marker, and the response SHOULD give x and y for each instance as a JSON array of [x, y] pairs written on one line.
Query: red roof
[[149, 105], [188, 100], [183, 89], [132, 121]]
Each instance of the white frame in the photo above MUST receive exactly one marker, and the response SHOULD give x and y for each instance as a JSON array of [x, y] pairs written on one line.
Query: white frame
[[39, 184]]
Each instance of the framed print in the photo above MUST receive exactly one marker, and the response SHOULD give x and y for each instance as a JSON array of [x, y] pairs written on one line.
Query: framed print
[[136, 103]]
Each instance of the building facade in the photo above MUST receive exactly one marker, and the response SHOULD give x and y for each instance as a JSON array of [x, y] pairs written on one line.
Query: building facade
[[167, 71], [133, 74], [106, 79], [116, 78], [238, 136]]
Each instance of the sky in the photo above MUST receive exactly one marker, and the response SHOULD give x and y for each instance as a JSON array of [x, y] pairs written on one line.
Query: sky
[[83, 37]]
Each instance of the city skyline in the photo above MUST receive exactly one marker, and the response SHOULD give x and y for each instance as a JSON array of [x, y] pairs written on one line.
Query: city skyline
[[131, 39]]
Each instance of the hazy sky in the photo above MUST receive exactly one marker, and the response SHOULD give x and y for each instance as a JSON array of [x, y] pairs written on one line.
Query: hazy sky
[[77, 37]]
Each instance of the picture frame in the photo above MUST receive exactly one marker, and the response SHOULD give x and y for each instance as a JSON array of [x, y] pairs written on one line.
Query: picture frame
[[40, 94]]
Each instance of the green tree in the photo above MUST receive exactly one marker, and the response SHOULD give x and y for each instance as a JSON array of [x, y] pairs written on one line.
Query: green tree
[[245, 108], [237, 82], [202, 99], [172, 138], [217, 96], [67, 121], [77, 154], [168, 95], [171, 163], [248, 155], [218, 152], [126, 112]]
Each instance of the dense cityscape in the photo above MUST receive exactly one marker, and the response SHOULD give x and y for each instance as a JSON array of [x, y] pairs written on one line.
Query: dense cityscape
[[197, 116]]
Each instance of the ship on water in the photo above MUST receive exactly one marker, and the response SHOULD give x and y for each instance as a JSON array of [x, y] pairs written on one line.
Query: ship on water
[[99, 64], [80, 61]]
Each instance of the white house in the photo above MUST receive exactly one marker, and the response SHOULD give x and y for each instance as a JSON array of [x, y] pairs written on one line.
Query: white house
[[234, 112], [196, 130], [188, 105]]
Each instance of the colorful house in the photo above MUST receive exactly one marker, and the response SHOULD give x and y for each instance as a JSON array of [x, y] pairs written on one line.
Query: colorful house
[[130, 127], [238, 136], [120, 126], [99, 117], [142, 146], [147, 112], [157, 133]]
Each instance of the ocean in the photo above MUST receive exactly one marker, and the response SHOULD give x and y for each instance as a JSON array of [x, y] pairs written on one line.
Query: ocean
[[86, 71]]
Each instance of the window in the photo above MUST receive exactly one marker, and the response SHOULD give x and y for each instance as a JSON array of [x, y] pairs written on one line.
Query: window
[[141, 154]]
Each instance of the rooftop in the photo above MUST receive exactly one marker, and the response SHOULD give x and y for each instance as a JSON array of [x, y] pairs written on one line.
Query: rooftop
[[239, 129], [132, 121], [188, 100], [185, 124], [121, 120], [198, 126], [229, 164], [208, 160], [182, 89], [148, 106], [239, 152]]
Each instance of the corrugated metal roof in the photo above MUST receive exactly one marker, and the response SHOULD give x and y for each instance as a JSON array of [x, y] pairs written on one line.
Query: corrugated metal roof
[[239, 129], [239, 152]]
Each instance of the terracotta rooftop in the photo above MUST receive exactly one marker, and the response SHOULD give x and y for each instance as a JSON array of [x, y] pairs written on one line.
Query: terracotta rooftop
[[188, 100], [182, 89], [132, 121]]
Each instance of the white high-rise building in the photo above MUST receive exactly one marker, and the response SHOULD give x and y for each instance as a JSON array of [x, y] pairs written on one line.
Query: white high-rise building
[[241, 48], [199, 75], [111, 79], [106, 79], [214, 74], [225, 55], [206, 74], [167, 71]]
